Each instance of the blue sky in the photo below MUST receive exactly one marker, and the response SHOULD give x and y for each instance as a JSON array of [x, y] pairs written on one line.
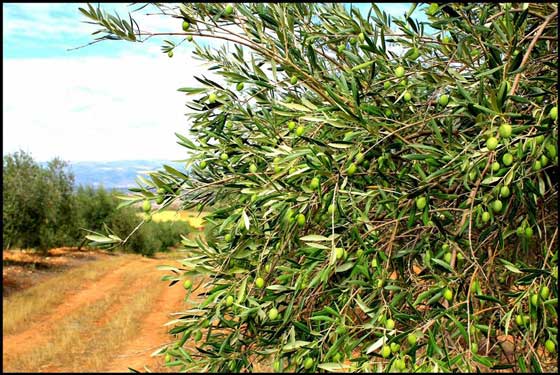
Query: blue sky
[[112, 100]]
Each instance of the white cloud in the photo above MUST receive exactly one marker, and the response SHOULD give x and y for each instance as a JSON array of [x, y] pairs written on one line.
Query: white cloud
[[98, 108]]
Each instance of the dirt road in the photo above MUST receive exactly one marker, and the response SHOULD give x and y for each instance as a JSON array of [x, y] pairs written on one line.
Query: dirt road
[[106, 325]]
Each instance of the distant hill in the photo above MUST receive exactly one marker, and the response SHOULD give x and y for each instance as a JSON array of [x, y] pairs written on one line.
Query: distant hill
[[116, 174]]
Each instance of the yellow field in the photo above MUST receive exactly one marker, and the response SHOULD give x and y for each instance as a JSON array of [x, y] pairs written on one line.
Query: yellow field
[[192, 218]]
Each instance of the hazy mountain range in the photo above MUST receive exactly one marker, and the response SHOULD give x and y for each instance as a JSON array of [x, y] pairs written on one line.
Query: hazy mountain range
[[116, 174]]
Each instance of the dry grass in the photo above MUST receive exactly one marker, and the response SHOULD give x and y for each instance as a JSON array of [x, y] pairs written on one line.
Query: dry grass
[[113, 320], [24, 307]]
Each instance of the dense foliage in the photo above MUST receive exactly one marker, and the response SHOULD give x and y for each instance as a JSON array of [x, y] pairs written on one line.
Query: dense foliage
[[387, 196], [37, 207], [42, 209]]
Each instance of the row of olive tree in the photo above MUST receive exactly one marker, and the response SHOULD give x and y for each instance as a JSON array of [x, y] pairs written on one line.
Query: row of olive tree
[[42, 210]]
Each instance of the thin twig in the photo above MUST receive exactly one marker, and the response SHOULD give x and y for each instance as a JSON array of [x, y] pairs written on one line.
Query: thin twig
[[530, 49]]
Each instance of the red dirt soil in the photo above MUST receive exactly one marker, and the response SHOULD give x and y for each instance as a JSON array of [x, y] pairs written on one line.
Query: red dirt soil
[[151, 335]]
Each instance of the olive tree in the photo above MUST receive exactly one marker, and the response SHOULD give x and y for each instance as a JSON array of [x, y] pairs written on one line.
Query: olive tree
[[39, 209], [383, 197]]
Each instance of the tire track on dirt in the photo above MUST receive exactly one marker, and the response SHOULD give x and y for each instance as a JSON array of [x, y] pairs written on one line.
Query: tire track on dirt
[[125, 298], [152, 333], [128, 292], [38, 333]]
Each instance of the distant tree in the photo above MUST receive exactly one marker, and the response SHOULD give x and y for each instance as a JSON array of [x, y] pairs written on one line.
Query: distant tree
[[39, 208], [21, 215]]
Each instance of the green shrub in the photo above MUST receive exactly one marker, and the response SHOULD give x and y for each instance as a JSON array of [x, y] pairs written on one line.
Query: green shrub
[[96, 205], [156, 236], [392, 232]]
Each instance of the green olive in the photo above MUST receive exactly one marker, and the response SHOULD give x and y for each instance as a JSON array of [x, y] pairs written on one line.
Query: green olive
[[432, 9], [407, 96], [549, 344], [474, 347], [491, 143], [314, 184], [505, 130], [412, 338], [385, 351], [537, 166], [545, 292], [553, 113], [507, 159], [497, 205], [308, 363], [146, 206], [359, 158], [273, 313], [504, 192], [389, 324], [400, 364], [339, 252], [448, 294]]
